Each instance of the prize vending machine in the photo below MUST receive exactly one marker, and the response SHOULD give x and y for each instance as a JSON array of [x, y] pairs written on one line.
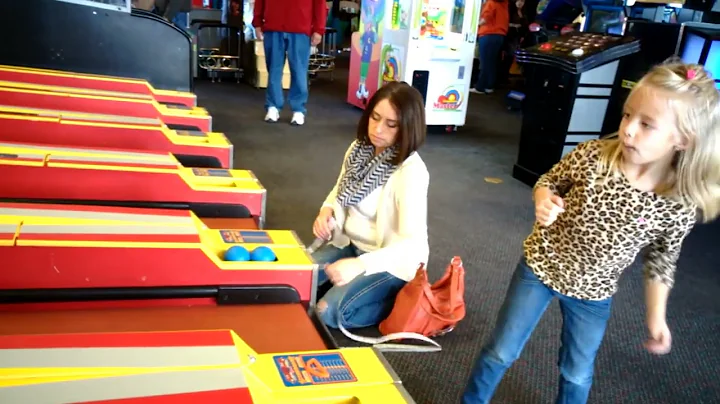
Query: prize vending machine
[[429, 44]]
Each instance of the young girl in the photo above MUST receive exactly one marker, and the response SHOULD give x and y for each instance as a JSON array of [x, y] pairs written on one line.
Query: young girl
[[596, 209], [376, 215]]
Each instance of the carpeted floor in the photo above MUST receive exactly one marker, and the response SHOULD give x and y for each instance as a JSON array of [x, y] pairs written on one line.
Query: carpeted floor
[[484, 223]]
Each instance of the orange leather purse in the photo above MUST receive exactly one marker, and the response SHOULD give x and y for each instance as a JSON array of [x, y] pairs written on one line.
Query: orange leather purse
[[422, 311], [429, 310]]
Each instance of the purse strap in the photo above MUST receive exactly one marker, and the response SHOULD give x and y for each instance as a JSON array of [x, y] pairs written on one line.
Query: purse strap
[[382, 345]]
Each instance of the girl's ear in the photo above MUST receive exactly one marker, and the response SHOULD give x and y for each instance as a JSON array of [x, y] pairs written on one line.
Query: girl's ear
[[682, 142]]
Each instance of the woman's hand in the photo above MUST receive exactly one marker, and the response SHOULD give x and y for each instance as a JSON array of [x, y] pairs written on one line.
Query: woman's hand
[[343, 271], [324, 223]]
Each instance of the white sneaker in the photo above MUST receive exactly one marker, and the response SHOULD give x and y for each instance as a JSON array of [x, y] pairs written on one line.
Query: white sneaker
[[272, 115], [298, 119]]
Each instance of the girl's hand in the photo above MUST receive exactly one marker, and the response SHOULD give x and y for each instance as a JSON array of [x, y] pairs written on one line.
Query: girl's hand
[[343, 271], [324, 223], [548, 209], [660, 339]]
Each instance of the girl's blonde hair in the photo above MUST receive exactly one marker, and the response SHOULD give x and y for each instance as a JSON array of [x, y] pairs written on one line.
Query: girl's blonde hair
[[696, 104]]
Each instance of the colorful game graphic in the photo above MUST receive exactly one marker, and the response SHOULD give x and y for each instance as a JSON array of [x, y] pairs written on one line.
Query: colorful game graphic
[[400, 14], [458, 15], [433, 22], [365, 57], [211, 172], [245, 236], [391, 67], [450, 100], [312, 370]]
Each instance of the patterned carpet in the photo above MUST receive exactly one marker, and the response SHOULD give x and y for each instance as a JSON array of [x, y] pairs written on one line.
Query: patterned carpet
[[485, 224]]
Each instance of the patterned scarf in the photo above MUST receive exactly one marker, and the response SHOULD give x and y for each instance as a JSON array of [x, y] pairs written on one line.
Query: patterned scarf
[[364, 172]]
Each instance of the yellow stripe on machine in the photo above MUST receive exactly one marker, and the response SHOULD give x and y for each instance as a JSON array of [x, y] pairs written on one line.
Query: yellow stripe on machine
[[179, 137], [337, 376], [73, 92], [59, 153], [91, 76], [34, 113], [43, 231], [199, 179], [62, 216]]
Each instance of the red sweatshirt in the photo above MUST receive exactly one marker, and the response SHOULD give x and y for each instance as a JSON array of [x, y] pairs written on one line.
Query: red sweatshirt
[[293, 16], [497, 18]]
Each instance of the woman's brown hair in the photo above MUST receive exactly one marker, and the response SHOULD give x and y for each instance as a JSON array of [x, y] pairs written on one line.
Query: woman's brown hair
[[410, 109]]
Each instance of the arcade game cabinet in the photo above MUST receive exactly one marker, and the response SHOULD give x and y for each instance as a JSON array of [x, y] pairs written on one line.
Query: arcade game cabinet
[[569, 86], [430, 44], [96, 37], [657, 43], [556, 18], [554, 15]]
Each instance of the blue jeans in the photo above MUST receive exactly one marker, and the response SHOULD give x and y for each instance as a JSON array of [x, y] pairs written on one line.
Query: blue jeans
[[584, 323], [297, 47], [363, 302], [489, 47]]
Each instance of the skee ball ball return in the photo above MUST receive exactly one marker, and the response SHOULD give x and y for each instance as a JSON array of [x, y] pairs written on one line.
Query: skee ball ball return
[[48, 253]]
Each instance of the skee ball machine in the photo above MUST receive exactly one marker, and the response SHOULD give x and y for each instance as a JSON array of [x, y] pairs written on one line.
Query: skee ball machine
[[427, 43]]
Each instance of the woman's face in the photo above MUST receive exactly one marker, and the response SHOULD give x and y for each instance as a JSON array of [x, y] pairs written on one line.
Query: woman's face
[[383, 125]]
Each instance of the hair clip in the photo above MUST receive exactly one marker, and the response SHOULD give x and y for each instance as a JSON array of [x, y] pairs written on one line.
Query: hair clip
[[691, 74]]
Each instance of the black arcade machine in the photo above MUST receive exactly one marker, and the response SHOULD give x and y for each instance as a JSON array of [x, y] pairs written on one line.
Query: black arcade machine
[[569, 84], [105, 37], [658, 41]]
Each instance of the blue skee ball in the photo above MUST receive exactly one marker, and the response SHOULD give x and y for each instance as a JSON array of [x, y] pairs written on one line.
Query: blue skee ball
[[263, 253], [237, 253]]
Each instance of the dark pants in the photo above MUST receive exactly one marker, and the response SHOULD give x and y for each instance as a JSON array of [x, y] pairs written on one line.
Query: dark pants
[[510, 46], [489, 47], [583, 329]]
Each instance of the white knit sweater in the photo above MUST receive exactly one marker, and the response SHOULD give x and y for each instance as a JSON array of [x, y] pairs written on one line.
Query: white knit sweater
[[400, 223]]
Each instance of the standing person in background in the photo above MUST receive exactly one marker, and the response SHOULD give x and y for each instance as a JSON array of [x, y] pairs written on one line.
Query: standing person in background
[[492, 29], [517, 29], [288, 26], [169, 9]]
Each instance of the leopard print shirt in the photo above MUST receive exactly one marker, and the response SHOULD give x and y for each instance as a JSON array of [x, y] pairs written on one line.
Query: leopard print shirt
[[606, 223]]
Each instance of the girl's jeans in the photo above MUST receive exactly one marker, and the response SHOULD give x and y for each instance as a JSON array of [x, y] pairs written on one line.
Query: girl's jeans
[[527, 298]]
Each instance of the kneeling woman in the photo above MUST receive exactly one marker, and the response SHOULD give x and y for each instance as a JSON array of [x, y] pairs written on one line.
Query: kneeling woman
[[376, 215]]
